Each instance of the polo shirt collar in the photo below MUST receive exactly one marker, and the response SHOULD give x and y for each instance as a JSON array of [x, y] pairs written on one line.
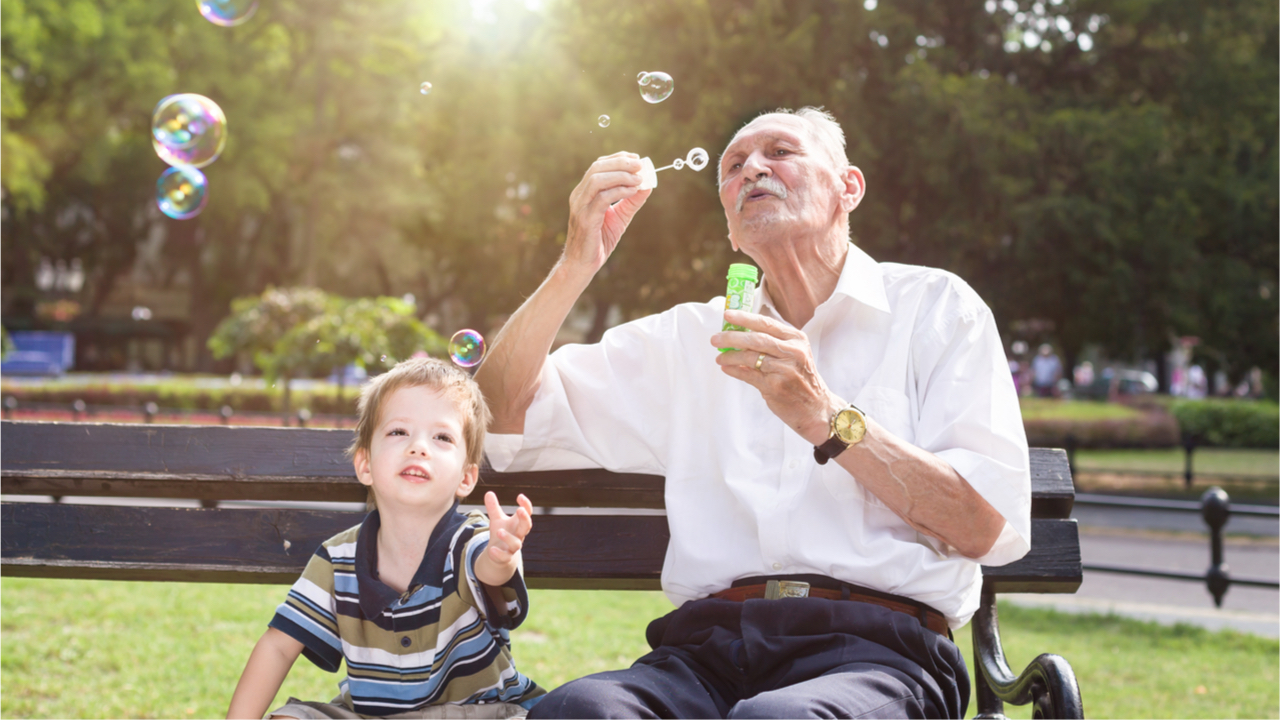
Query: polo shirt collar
[[860, 279], [375, 595]]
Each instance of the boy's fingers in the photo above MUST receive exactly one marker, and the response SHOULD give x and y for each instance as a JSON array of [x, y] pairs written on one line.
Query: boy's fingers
[[499, 554], [491, 505], [525, 503]]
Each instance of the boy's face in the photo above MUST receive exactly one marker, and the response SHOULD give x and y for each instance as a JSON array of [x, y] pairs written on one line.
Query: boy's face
[[418, 458]]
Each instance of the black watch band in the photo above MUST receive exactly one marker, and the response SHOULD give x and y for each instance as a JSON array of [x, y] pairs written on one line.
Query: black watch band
[[829, 449]]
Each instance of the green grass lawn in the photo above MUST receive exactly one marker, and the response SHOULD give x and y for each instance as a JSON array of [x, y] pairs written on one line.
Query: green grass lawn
[[119, 649], [1219, 461]]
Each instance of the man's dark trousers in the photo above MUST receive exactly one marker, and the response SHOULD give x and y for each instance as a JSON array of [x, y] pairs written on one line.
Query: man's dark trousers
[[787, 658]]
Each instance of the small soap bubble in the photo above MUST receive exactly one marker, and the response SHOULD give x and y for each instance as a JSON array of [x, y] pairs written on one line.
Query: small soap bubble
[[384, 358], [677, 164], [640, 77], [697, 158], [466, 347], [425, 88], [227, 13], [656, 87], [604, 121], [181, 192], [188, 129]]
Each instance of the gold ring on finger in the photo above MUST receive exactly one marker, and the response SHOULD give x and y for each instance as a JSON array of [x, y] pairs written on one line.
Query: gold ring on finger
[[760, 361]]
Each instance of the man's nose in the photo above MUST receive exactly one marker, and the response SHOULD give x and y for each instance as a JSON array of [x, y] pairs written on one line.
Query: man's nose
[[754, 167]]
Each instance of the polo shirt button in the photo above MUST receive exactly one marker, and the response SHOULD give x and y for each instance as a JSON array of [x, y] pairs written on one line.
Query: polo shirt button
[[405, 641], [777, 566]]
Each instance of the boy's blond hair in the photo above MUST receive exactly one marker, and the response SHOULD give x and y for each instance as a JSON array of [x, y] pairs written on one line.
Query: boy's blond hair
[[436, 375]]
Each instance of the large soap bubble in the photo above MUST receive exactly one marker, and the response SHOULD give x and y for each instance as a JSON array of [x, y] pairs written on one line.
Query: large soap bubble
[[466, 347], [181, 192], [188, 129], [656, 86], [227, 13]]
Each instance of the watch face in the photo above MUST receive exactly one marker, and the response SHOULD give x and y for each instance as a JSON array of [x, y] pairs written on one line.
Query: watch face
[[849, 426]]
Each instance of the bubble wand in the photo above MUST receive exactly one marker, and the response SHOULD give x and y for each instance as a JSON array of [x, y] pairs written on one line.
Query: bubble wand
[[696, 159]]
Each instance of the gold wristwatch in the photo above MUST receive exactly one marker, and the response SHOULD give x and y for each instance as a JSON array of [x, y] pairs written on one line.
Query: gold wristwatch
[[847, 428]]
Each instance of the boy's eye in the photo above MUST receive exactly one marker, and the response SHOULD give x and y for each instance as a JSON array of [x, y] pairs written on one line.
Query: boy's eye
[[397, 431], [445, 437]]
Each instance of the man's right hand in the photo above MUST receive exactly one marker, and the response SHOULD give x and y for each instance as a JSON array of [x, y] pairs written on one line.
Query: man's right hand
[[601, 208]]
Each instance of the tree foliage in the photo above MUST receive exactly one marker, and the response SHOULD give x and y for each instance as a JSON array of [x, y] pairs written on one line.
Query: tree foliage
[[1110, 167]]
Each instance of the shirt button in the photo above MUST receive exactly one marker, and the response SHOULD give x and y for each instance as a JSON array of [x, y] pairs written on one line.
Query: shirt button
[[777, 566], [793, 464], [405, 641]]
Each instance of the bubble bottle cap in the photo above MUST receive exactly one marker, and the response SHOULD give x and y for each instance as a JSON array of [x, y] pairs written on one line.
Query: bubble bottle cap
[[742, 271]]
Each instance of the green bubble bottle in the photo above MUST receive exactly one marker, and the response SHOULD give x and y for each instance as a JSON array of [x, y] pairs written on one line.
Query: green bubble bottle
[[741, 294]]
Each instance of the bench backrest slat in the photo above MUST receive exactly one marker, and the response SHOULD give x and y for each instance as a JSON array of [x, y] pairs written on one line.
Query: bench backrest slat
[[273, 546], [258, 463]]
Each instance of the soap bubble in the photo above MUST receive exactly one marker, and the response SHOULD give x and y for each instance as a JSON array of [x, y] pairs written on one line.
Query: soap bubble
[[425, 88], [697, 158], [227, 13], [640, 77], [188, 129], [181, 192], [604, 121], [656, 87], [466, 347], [677, 164]]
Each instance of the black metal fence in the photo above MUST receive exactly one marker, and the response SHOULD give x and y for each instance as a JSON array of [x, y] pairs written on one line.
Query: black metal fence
[[1190, 443], [1215, 507]]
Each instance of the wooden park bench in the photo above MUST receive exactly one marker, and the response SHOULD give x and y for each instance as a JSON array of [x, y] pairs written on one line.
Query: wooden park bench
[[601, 550]]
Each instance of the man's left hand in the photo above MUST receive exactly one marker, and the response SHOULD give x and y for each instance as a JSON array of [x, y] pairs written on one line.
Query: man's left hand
[[777, 360]]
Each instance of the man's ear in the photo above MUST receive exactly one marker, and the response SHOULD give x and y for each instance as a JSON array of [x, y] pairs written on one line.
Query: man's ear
[[364, 473], [470, 477], [855, 188]]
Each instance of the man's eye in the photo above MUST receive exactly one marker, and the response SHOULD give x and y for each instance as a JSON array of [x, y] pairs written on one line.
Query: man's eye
[[780, 151]]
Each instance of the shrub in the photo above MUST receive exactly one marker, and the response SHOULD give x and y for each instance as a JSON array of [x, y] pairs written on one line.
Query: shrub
[[1151, 429], [1230, 423]]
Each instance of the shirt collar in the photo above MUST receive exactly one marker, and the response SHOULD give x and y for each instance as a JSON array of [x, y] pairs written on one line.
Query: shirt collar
[[860, 279], [375, 595]]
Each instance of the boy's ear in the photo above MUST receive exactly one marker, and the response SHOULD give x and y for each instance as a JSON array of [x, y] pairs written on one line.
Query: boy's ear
[[363, 471], [470, 477]]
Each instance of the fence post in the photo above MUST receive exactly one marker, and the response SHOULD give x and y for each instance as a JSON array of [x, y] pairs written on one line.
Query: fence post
[[78, 409], [149, 412], [226, 412], [1215, 506], [304, 416], [1188, 444], [10, 404]]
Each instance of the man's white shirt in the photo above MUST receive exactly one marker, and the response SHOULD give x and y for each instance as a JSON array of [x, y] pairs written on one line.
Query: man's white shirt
[[915, 348]]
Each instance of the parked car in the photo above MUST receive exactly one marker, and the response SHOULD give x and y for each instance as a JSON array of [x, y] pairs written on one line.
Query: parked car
[[39, 353], [1127, 382]]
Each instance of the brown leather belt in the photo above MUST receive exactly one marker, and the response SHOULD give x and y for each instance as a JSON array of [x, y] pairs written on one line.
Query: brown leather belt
[[774, 589]]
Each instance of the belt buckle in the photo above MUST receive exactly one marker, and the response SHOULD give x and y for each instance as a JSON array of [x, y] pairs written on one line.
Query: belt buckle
[[776, 589]]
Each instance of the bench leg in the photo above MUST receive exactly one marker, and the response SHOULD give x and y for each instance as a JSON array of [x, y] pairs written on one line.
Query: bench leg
[[1048, 682]]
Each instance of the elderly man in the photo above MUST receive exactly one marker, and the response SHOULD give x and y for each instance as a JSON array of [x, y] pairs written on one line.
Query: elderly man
[[832, 484]]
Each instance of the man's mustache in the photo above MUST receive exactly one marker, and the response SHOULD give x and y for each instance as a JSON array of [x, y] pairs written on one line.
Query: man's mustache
[[766, 183]]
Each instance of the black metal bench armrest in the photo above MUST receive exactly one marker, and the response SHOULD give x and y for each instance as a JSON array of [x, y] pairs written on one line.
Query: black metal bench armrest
[[1048, 682]]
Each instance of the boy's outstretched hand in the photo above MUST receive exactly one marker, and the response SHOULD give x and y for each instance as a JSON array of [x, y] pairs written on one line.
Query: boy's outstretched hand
[[506, 536]]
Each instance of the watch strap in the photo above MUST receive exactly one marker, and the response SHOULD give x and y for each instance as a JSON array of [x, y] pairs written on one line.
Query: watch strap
[[829, 449]]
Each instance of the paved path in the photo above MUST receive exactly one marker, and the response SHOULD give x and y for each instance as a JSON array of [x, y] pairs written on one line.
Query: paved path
[[1164, 540]]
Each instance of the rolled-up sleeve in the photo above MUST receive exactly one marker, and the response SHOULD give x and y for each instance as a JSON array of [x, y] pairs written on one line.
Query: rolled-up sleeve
[[602, 405], [969, 416]]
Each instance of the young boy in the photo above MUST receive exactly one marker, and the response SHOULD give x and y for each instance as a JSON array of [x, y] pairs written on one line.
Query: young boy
[[418, 598]]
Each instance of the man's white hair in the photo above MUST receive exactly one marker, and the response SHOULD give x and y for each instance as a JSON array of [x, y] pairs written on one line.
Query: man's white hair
[[825, 128]]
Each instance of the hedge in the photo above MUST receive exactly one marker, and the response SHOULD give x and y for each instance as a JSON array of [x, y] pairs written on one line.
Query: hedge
[[1230, 423], [185, 397]]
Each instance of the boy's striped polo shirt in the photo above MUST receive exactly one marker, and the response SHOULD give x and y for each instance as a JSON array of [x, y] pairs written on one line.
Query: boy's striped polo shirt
[[443, 641]]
